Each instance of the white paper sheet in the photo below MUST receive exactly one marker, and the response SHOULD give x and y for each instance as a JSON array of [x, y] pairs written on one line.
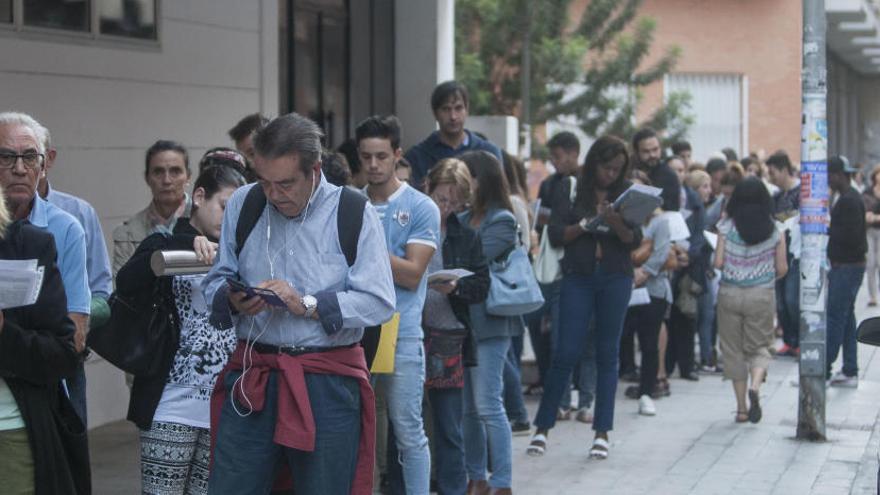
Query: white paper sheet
[[711, 238], [20, 282], [640, 297], [441, 276]]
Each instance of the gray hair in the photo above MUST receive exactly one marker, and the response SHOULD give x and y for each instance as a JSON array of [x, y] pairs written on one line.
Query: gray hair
[[23, 119], [290, 134]]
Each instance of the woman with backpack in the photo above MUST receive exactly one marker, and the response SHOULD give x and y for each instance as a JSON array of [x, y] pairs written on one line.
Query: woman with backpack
[[172, 408]]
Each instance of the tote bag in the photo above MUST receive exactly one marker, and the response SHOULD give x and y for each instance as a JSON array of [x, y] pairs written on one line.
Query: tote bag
[[546, 265], [513, 290]]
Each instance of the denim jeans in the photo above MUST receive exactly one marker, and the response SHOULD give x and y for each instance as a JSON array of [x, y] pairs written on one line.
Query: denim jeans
[[76, 388], [485, 422], [605, 297], [405, 392], [246, 458], [788, 304], [448, 410], [514, 404], [843, 287], [585, 376], [542, 342], [706, 324]]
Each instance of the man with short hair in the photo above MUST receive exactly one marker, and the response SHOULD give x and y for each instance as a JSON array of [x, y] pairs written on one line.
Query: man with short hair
[[683, 150], [242, 134], [716, 168], [847, 247], [22, 164], [97, 264], [786, 209], [296, 389], [649, 154], [411, 222], [450, 104]]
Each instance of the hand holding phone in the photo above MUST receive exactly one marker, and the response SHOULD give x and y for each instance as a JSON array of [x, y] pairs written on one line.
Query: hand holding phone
[[266, 295]]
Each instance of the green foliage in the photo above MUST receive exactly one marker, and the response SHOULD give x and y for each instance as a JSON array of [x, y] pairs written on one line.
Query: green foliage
[[601, 54]]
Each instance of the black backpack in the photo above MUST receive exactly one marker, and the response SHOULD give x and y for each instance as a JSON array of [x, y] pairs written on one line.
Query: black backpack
[[349, 219]]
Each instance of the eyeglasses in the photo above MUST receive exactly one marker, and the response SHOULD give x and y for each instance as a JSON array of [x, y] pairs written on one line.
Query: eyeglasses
[[30, 160]]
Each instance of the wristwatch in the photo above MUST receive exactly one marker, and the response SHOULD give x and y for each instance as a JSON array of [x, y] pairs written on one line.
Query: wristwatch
[[311, 305]]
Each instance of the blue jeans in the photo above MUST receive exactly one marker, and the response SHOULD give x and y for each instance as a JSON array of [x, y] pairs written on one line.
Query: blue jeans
[[405, 392], [448, 410], [246, 459], [788, 304], [605, 297], [706, 324], [76, 388], [514, 404], [585, 377], [485, 422], [843, 286]]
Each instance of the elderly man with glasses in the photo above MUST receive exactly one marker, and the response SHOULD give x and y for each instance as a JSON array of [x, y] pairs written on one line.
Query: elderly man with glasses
[[22, 164]]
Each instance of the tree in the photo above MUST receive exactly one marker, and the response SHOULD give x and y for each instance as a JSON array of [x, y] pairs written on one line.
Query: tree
[[599, 54]]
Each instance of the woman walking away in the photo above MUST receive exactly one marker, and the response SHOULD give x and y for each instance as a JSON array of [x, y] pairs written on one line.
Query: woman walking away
[[485, 421], [596, 285], [751, 257], [172, 409], [871, 197]]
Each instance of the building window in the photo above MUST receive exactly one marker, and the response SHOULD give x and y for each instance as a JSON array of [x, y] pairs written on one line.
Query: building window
[[129, 18], [719, 103], [135, 19], [57, 14]]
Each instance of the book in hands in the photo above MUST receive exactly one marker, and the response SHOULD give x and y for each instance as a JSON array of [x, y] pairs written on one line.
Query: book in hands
[[20, 283], [446, 276], [635, 205]]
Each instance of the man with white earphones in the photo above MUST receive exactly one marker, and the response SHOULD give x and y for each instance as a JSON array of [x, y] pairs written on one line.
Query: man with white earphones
[[296, 390]]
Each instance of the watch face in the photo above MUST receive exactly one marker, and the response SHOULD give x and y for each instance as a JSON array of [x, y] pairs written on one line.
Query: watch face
[[309, 302]]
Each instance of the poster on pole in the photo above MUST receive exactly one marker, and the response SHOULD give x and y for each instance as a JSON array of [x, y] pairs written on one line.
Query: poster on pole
[[814, 197]]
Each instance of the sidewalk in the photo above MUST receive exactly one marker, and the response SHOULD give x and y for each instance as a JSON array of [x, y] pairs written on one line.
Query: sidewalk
[[692, 446]]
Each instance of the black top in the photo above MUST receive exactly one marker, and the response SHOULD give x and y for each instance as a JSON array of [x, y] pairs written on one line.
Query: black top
[[872, 204], [463, 248], [665, 178], [36, 352], [580, 254], [136, 276], [847, 236]]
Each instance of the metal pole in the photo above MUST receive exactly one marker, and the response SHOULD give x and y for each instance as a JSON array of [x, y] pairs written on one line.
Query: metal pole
[[526, 81], [813, 221]]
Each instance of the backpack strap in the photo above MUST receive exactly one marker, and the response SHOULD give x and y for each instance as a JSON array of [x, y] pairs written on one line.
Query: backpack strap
[[349, 220], [251, 210]]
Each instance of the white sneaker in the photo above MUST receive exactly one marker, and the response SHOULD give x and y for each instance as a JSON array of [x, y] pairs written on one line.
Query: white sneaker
[[646, 406], [843, 381]]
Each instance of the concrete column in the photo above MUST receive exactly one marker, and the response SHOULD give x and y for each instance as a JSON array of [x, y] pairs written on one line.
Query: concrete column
[[424, 56], [269, 89]]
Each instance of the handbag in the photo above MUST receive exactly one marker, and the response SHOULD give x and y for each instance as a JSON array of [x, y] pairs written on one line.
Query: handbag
[[513, 290], [546, 265], [142, 333], [444, 363]]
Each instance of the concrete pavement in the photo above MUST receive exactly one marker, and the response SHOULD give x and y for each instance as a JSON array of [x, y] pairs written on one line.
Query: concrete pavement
[[692, 446]]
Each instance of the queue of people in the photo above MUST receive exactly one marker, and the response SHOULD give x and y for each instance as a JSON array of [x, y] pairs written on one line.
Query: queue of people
[[266, 386]]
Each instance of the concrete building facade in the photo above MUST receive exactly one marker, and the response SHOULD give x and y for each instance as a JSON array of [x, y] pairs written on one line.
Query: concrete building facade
[[109, 77]]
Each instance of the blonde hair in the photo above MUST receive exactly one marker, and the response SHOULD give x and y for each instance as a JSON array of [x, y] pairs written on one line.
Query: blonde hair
[[696, 178], [451, 171], [5, 217]]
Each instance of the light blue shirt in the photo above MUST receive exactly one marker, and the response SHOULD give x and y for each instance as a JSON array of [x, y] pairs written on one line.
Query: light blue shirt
[[70, 242], [97, 259], [305, 252], [409, 217]]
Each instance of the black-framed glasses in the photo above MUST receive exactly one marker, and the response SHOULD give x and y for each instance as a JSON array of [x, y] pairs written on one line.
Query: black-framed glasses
[[30, 160]]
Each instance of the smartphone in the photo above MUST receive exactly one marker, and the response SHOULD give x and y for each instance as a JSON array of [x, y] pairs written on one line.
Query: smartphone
[[270, 297]]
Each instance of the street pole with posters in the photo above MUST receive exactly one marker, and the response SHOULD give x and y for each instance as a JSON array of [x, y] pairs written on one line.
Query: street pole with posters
[[814, 225]]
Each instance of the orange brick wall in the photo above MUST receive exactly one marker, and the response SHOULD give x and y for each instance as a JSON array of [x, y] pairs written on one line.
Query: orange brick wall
[[760, 39]]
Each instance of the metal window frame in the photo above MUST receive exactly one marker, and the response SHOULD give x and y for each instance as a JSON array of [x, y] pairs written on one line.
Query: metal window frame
[[92, 37]]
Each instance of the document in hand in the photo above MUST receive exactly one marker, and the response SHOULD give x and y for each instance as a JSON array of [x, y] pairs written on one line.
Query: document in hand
[[443, 276], [20, 283], [635, 204]]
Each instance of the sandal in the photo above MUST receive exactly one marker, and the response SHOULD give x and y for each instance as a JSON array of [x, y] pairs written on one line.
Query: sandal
[[537, 446], [754, 407], [742, 416], [599, 450]]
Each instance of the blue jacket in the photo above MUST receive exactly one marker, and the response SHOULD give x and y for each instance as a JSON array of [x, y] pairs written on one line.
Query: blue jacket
[[426, 154]]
